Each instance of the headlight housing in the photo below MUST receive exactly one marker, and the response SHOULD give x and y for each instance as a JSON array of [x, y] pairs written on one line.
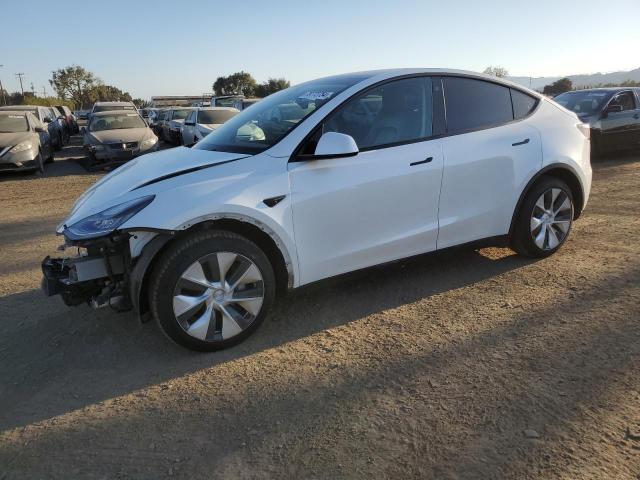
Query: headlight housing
[[149, 141], [106, 221], [21, 147], [96, 147]]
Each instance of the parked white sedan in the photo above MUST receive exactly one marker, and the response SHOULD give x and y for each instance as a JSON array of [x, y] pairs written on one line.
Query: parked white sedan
[[335, 175], [202, 121]]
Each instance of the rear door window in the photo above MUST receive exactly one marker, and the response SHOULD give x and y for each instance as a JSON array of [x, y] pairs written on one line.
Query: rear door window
[[523, 104], [475, 104]]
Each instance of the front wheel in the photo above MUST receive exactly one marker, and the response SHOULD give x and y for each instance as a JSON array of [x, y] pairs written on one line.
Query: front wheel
[[39, 162], [211, 290], [544, 220]]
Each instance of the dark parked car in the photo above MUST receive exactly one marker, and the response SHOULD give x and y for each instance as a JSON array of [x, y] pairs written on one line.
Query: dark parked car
[[118, 135], [70, 120], [612, 113]]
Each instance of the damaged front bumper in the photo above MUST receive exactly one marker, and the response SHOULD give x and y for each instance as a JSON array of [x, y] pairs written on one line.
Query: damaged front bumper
[[103, 273], [97, 275]]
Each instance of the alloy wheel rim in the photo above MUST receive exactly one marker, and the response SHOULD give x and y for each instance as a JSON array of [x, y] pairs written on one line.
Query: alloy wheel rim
[[218, 296], [551, 219]]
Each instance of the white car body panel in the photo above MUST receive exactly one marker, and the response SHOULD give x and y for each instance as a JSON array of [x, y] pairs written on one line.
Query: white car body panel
[[482, 180], [343, 214], [367, 209], [562, 142]]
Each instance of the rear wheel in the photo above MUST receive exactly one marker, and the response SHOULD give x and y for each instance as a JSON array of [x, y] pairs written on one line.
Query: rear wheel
[[59, 142], [211, 290], [544, 220]]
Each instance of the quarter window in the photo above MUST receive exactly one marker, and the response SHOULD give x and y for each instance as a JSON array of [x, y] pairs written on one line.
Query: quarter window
[[523, 104], [396, 112], [625, 100], [473, 104]]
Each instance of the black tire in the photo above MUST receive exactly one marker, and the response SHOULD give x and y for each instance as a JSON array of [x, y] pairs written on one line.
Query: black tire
[[522, 238], [50, 158], [39, 161], [173, 263], [58, 146]]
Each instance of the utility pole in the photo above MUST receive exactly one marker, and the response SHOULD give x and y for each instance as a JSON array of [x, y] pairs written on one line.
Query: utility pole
[[44, 92], [20, 75], [33, 90], [4, 100]]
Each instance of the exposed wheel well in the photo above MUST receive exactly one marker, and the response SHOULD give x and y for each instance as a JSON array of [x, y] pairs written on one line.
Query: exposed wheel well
[[262, 239], [555, 171]]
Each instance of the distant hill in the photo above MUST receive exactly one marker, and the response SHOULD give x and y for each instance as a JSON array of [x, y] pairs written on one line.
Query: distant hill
[[537, 83]]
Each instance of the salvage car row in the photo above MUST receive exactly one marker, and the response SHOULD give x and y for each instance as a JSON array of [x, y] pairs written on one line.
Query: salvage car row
[[29, 134], [118, 131]]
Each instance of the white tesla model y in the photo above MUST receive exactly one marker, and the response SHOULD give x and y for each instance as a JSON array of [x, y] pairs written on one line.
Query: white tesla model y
[[323, 178]]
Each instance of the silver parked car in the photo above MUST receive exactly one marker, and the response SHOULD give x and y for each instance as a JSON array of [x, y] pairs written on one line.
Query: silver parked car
[[24, 142], [47, 116], [118, 136], [173, 119], [204, 120]]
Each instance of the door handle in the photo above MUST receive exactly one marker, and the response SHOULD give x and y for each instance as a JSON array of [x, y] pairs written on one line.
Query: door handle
[[523, 142], [426, 160]]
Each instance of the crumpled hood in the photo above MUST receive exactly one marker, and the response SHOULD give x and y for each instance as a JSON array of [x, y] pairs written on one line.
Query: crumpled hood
[[113, 188], [122, 135], [12, 139]]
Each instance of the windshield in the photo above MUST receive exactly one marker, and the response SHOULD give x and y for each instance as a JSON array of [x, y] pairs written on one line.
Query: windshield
[[209, 117], [109, 108], [116, 122], [180, 114], [586, 102], [267, 122], [13, 124]]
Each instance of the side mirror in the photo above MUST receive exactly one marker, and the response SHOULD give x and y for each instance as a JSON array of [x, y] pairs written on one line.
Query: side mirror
[[614, 108], [47, 120], [335, 145], [611, 109]]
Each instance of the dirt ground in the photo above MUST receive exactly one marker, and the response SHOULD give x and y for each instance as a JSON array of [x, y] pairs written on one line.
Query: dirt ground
[[467, 364]]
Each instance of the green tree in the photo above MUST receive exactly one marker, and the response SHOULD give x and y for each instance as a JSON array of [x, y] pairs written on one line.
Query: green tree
[[47, 101], [558, 87], [236, 83], [141, 103], [74, 83], [272, 85], [499, 72], [107, 93]]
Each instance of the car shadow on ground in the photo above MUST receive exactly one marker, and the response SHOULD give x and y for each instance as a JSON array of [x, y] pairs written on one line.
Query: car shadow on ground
[[50, 349], [549, 389]]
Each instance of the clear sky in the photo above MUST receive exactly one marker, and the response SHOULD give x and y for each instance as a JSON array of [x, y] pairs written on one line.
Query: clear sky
[[180, 47]]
